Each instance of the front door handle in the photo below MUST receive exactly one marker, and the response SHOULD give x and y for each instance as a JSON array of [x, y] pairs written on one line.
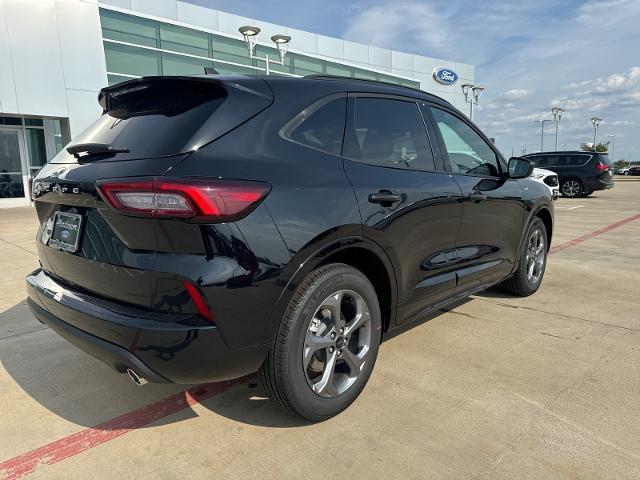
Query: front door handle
[[384, 197], [477, 197]]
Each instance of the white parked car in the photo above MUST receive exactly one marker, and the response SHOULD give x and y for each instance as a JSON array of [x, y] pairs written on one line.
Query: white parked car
[[549, 178]]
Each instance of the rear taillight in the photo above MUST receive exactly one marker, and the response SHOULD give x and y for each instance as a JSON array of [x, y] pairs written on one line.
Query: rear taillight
[[197, 199], [602, 167]]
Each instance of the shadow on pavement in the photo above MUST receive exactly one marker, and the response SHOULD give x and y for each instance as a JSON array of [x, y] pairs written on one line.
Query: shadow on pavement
[[82, 390]]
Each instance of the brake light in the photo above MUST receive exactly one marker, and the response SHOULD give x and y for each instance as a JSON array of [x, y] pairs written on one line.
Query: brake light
[[197, 199], [198, 300], [602, 167]]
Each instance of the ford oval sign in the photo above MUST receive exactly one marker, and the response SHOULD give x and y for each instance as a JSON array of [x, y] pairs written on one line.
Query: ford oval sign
[[445, 76]]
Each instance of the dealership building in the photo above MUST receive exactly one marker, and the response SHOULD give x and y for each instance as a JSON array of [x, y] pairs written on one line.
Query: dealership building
[[55, 56]]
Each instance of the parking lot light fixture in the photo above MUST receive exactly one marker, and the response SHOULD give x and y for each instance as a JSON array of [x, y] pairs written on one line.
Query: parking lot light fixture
[[282, 42], [557, 116], [595, 121], [250, 35], [471, 95], [541, 122]]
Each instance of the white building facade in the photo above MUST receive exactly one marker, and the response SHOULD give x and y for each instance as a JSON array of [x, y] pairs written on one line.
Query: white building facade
[[56, 55]]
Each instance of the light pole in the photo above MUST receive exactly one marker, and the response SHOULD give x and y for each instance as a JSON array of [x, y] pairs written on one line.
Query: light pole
[[557, 115], [542, 122], [613, 148], [471, 95], [524, 151], [250, 33], [596, 121]]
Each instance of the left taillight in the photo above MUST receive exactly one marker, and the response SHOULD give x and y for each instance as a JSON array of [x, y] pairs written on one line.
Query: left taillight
[[186, 198], [602, 167]]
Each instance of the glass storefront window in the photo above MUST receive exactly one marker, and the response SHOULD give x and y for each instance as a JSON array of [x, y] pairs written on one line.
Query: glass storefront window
[[36, 148], [10, 121], [364, 74], [185, 40], [131, 60], [33, 122], [128, 28], [230, 50], [177, 65], [337, 69], [113, 79], [126, 60], [261, 51], [307, 66]]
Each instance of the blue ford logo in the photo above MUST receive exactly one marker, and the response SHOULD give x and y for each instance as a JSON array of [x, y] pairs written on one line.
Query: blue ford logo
[[445, 76]]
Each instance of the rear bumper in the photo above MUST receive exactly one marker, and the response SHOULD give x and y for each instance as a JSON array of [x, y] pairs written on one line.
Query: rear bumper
[[599, 185], [160, 347]]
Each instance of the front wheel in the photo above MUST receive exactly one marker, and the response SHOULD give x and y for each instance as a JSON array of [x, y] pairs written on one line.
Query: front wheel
[[326, 345], [532, 263]]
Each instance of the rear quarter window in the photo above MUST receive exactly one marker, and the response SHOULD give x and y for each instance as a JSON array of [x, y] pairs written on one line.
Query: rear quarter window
[[320, 126]]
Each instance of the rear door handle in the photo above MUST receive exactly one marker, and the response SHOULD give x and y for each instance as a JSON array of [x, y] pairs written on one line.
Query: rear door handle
[[477, 197], [384, 197]]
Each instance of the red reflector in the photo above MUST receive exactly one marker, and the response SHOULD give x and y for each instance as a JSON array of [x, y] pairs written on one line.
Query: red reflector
[[214, 200], [198, 300], [602, 167]]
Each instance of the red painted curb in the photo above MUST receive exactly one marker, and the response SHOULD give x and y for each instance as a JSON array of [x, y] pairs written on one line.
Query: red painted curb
[[76, 443]]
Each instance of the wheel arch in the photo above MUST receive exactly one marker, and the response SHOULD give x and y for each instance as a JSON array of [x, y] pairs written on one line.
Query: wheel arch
[[544, 214], [357, 252]]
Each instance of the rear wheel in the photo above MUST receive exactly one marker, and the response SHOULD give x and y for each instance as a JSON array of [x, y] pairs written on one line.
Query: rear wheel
[[326, 345], [533, 262], [571, 188]]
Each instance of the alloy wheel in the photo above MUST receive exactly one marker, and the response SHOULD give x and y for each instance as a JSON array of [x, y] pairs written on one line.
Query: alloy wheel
[[536, 256], [571, 188], [336, 343]]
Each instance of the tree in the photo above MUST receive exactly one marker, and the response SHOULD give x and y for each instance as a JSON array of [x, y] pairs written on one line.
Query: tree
[[600, 147], [618, 164]]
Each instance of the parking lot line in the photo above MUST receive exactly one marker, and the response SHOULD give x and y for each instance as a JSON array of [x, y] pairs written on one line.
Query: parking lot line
[[86, 439], [583, 238], [83, 440]]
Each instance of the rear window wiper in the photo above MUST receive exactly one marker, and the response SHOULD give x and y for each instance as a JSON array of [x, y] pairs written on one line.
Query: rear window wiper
[[84, 150]]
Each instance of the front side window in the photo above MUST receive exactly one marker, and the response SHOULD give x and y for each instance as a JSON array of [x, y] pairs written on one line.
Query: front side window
[[388, 133], [323, 128], [468, 152]]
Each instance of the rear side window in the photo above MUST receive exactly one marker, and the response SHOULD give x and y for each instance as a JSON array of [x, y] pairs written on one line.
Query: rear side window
[[388, 133], [322, 128]]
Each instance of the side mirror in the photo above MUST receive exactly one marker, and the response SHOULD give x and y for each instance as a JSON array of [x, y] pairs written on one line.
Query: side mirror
[[520, 167]]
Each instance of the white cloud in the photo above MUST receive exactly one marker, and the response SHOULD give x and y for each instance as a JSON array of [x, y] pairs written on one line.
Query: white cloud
[[530, 56]]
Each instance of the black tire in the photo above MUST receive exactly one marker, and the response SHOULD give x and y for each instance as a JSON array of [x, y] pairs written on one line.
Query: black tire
[[571, 188], [283, 374], [520, 284]]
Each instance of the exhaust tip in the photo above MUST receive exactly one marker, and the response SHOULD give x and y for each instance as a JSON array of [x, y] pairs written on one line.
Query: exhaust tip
[[135, 378]]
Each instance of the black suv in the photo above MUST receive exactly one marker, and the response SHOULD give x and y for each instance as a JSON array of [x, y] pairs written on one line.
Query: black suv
[[580, 173], [206, 227]]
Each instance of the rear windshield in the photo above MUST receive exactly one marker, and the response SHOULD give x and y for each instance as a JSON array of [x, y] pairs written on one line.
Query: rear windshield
[[154, 119]]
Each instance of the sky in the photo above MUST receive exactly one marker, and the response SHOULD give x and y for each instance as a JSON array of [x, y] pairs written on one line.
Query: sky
[[529, 55]]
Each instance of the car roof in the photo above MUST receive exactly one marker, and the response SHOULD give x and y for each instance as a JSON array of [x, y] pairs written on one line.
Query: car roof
[[566, 152], [343, 84]]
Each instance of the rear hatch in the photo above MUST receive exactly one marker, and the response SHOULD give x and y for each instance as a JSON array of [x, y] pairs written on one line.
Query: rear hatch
[[147, 127], [604, 165]]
